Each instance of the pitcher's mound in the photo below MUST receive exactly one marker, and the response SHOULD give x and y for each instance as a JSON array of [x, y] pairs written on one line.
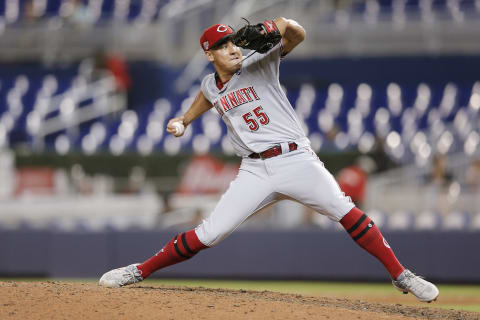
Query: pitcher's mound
[[70, 300]]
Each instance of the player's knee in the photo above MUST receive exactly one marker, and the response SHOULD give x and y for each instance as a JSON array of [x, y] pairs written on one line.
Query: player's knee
[[212, 240], [218, 235], [211, 236]]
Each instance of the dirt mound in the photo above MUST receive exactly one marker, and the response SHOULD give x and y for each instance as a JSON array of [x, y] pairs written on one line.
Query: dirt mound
[[70, 300]]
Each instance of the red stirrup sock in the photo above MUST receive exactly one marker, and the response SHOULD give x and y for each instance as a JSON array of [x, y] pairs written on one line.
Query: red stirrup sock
[[182, 247], [367, 235]]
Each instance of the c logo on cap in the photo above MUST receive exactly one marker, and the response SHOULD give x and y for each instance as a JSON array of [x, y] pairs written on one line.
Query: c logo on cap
[[222, 28]]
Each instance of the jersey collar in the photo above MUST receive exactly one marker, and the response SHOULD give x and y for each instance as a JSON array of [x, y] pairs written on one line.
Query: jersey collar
[[219, 82], [222, 86]]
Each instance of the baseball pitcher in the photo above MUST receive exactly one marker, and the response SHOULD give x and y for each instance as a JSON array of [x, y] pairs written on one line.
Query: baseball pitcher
[[277, 161]]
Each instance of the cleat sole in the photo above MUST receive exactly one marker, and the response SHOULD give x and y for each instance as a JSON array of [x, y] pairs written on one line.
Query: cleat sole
[[433, 300]]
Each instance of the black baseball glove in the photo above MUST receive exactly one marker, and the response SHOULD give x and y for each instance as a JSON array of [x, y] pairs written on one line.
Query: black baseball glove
[[259, 37]]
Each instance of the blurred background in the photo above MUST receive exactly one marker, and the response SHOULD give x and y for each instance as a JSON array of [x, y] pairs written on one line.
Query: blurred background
[[388, 92]]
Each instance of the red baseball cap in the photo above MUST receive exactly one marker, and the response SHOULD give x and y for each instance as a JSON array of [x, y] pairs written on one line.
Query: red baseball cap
[[213, 35]]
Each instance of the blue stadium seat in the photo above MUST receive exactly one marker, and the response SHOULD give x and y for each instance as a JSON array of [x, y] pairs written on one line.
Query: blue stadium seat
[[431, 115]]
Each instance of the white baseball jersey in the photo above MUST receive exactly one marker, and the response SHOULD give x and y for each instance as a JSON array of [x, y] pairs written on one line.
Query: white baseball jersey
[[259, 116], [254, 107]]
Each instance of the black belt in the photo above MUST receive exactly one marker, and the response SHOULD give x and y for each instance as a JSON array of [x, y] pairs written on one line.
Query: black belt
[[273, 151]]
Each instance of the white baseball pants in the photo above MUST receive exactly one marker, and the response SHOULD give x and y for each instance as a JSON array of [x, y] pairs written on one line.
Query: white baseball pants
[[298, 175]]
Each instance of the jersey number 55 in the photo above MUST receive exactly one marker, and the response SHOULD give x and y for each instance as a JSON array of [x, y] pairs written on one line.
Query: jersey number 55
[[258, 116]]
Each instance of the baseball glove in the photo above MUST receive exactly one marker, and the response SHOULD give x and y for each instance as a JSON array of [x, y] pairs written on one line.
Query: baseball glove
[[260, 37]]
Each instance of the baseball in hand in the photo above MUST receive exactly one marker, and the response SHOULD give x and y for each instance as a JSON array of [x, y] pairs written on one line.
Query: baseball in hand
[[179, 128]]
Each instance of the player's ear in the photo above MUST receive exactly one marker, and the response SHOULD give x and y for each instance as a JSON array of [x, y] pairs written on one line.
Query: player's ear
[[209, 56]]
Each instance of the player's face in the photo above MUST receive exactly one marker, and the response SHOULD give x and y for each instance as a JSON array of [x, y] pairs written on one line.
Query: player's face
[[227, 57]]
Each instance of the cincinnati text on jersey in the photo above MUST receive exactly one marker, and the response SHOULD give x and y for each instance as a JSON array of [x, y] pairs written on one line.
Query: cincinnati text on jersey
[[235, 98]]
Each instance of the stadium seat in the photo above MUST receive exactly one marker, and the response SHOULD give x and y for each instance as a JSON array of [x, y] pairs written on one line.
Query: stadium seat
[[400, 221], [475, 223], [427, 221], [415, 120], [455, 221]]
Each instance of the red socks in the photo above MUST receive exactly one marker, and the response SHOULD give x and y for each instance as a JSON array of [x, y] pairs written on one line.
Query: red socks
[[367, 235], [360, 227], [180, 248]]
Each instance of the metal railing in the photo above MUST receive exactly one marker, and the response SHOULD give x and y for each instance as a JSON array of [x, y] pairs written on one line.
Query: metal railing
[[97, 99]]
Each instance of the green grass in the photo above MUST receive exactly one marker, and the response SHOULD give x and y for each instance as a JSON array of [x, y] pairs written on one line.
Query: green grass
[[458, 297]]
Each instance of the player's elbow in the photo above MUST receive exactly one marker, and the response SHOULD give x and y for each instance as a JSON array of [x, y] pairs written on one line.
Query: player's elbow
[[303, 33], [294, 31]]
